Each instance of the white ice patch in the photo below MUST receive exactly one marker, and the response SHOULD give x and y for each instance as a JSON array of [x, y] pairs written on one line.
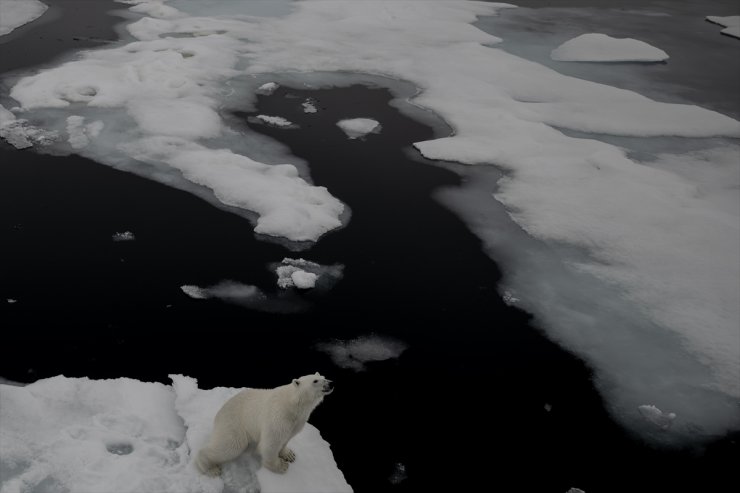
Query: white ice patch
[[15, 13], [596, 47], [123, 435], [657, 417], [286, 204], [79, 133], [232, 291], [309, 106], [356, 353], [275, 121], [267, 88], [731, 24], [359, 127], [124, 236], [156, 9], [303, 274], [195, 292], [21, 134]]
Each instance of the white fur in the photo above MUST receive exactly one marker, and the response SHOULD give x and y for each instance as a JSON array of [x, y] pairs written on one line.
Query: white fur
[[267, 417]]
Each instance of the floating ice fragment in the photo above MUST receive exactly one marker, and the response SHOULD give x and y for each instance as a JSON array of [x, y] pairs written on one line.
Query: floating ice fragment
[[194, 292], [731, 24], [21, 134], [355, 353], [656, 416], [303, 280], [399, 473], [309, 106], [125, 236], [15, 13], [275, 121], [267, 89], [11, 301], [509, 298], [548, 407], [575, 490], [359, 127], [596, 47]]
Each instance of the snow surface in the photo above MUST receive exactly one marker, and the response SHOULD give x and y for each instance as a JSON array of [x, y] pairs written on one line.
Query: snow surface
[[15, 13], [359, 127], [658, 244], [596, 47], [354, 354], [123, 435], [275, 121], [267, 88], [731, 24]]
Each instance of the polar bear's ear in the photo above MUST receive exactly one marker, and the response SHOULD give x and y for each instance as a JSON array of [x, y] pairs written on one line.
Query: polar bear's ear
[[296, 382]]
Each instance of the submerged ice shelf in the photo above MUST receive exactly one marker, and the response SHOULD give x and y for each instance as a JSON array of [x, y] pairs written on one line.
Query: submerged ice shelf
[[660, 245]]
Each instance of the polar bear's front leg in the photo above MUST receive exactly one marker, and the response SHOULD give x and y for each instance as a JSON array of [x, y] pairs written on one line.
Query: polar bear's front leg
[[287, 455], [269, 450]]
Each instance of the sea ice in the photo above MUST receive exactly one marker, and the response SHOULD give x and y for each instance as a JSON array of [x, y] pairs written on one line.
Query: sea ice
[[304, 274], [354, 354], [124, 236], [359, 127], [309, 106], [80, 133], [267, 88], [657, 417], [731, 24], [596, 47], [15, 13], [123, 435], [275, 121]]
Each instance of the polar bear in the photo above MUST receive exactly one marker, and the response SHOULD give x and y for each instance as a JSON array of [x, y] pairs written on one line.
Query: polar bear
[[267, 417]]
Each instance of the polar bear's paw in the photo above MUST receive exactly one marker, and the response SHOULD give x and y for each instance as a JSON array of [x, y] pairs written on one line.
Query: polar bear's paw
[[278, 466], [287, 455], [213, 471]]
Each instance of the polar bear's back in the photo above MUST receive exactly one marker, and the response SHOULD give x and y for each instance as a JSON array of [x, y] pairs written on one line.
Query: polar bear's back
[[247, 411]]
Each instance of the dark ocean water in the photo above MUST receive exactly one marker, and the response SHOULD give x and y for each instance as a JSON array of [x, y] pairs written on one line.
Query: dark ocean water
[[463, 408]]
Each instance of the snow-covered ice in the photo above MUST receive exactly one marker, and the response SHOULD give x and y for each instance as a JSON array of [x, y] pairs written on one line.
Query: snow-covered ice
[[15, 13], [267, 88], [304, 274], [124, 236], [309, 106], [659, 418], [19, 133], [359, 127], [354, 354], [275, 121], [597, 47], [730, 23], [123, 435], [81, 133]]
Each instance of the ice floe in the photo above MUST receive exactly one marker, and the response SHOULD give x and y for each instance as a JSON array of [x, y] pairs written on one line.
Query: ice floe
[[304, 274], [354, 354], [730, 23], [659, 418], [16, 13], [124, 236], [597, 47], [359, 127], [267, 88], [122, 435], [275, 121]]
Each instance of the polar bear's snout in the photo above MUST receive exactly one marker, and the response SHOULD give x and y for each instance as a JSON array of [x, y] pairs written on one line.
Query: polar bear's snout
[[328, 387]]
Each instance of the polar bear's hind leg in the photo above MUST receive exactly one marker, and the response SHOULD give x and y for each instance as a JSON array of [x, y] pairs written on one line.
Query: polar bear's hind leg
[[222, 447], [287, 455]]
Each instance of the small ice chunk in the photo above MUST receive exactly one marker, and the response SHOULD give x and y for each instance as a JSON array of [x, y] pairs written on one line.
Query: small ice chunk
[[575, 490], [303, 280], [359, 127], [267, 89], [509, 298], [731, 24], [656, 416], [16, 13], [355, 353], [596, 47], [11, 301], [20, 134], [275, 121], [125, 236], [309, 106], [548, 407], [195, 292], [399, 473]]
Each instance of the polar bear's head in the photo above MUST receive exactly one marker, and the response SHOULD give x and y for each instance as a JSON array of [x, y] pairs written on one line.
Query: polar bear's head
[[313, 387]]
